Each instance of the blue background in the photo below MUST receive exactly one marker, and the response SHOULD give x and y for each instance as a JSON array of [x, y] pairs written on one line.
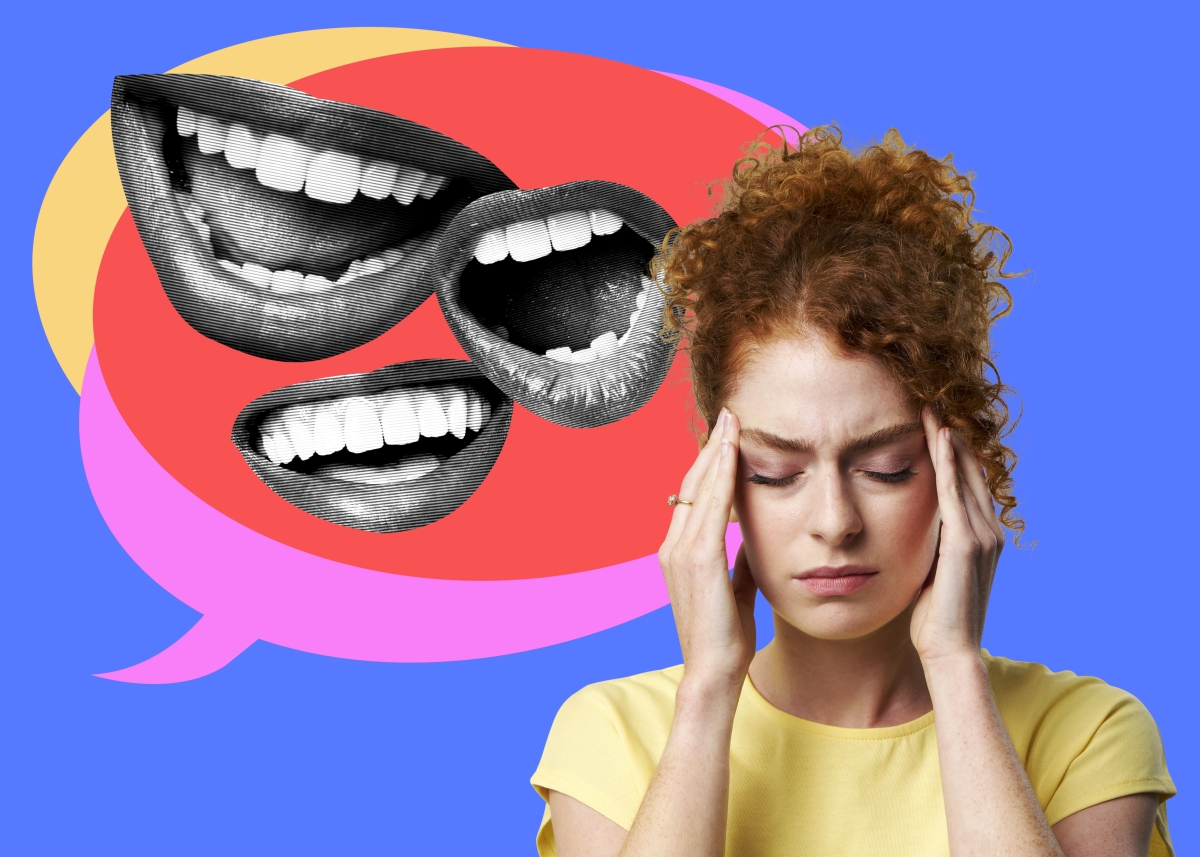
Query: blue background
[[1081, 123]]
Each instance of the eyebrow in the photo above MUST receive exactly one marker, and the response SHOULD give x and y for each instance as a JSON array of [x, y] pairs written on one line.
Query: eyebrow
[[870, 441]]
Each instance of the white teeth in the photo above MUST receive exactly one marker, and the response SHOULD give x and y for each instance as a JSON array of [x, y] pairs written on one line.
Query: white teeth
[[281, 447], [528, 240], [456, 415], [229, 266], [316, 283], [333, 177], [211, 133], [408, 180], [377, 179], [283, 163], [604, 343], [185, 121], [431, 418], [607, 342], [399, 421], [533, 239], [569, 230], [474, 411], [492, 247], [604, 222], [430, 185], [298, 422], [328, 436], [242, 147], [362, 428], [287, 282], [257, 274]]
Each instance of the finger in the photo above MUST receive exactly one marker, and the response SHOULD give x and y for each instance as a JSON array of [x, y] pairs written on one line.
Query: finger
[[694, 478], [744, 589], [977, 486], [950, 496], [710, 515]]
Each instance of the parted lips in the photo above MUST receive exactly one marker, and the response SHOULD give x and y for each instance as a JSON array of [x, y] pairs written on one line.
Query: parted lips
[[548, 291], [284, 225]]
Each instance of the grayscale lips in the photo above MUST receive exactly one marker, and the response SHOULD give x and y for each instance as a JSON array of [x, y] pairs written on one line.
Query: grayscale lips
[[548, 292], [384, 451], [283, 225]]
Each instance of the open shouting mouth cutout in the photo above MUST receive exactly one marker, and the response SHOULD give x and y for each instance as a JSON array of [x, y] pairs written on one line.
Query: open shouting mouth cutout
[[283, 225], [548, 291], [384, 451]]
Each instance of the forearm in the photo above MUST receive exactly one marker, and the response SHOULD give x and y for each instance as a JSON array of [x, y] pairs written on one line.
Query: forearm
[[684, 811], [991, 808]]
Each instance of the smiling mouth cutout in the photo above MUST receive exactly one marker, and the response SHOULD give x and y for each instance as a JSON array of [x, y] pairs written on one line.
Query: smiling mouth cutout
[[283, 225], [385, 451], [548, 292]]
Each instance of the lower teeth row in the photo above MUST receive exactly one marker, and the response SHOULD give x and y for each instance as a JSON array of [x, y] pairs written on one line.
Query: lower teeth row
[[607, 342], [288, 281]]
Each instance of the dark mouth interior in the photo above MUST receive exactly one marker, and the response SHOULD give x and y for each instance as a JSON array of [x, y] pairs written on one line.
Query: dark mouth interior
[[278, 230], [567, 298], [389, 464]]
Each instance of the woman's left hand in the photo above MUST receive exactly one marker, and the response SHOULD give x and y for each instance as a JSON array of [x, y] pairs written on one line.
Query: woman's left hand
[[948, 618]]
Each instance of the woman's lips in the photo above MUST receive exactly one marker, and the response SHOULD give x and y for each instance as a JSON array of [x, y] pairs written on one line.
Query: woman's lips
[[386, 451], [301, 154], [836, 580], [574, 250]]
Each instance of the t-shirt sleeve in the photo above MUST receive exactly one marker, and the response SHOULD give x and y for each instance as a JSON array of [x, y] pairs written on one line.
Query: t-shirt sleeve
[[1083, 742], [587, 758]]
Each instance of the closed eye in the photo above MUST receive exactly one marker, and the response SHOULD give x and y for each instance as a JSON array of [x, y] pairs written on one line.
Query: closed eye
[[894, 476], [759, 479]]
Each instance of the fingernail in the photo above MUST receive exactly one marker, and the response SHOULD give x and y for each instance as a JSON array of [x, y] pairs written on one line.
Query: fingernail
[[724, 418], [724, 448]]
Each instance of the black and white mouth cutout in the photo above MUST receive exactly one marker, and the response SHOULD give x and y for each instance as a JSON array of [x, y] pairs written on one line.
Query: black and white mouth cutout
[[283, 225], [384, 451], [548, 292]]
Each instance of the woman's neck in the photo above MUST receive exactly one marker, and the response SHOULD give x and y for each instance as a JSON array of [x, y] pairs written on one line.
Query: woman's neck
[[868, 682]]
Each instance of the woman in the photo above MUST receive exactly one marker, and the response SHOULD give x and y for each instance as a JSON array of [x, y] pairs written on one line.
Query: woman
[[837, 315]]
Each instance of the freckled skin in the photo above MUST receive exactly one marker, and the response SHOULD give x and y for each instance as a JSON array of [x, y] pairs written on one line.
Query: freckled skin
[[833, 513]]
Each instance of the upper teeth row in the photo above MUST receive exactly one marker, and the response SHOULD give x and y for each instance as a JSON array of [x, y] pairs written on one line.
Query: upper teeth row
[[362, 423], [533, 239], [284, 163], [607, 342]]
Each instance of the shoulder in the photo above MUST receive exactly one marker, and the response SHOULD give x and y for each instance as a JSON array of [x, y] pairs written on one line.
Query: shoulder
[[1081, 740], [636, 703], [1030, 696], [606, 741]]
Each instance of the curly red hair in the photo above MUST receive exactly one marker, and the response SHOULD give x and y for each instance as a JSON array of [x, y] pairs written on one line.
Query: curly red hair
[[879, 251]]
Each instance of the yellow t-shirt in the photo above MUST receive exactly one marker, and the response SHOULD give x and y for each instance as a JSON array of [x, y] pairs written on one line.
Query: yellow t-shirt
[[798, 787]]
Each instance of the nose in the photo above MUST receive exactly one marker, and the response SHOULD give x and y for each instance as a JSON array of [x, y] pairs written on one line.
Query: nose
[[834, 519]]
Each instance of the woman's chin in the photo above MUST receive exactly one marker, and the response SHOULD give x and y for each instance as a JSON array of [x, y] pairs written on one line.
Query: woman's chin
[[841, 621]]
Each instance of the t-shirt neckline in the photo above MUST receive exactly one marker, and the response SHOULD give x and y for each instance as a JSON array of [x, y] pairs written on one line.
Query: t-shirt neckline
[[758, 704]]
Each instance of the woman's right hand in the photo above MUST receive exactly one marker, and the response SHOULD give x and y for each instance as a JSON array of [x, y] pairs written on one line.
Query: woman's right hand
[[713, 615]]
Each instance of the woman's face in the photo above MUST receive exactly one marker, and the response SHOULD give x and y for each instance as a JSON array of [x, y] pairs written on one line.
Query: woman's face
[[835, 493]]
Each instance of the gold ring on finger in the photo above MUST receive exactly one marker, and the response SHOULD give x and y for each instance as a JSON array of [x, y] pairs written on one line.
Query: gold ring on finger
[[674, 500]]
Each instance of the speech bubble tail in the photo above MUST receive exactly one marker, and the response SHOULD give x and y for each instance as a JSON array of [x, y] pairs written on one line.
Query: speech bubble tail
[[209, 645]]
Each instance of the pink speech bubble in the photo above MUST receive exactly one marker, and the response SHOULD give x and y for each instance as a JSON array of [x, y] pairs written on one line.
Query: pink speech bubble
[[252, 588], [249, 587]]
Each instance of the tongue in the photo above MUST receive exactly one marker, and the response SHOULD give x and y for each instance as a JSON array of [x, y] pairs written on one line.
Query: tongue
[[563, 299], [253, 223]]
